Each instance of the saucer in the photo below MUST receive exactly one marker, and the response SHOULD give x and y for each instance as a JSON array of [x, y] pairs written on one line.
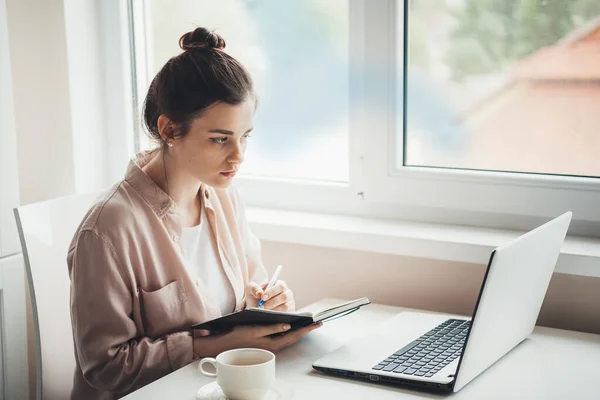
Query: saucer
[[212, 391]]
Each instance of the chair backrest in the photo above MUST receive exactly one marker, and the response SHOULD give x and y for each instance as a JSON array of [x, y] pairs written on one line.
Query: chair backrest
[[46, 230]]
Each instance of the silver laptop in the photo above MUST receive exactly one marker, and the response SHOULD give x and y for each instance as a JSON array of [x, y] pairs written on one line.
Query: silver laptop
[[435, 352]]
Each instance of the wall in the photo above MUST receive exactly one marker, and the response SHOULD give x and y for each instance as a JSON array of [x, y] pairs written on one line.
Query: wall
[[9, 183], [70, 105], [44, 144], [572, 302], [56, 144], [13, 338], [36, 33]]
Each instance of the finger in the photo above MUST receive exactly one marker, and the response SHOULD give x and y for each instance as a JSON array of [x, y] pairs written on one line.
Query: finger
[[316, 325], [295, 336], [266, 330], [277, 288], [298, 334], [255, 289], [278, 300], [202, 332], [289, 306]]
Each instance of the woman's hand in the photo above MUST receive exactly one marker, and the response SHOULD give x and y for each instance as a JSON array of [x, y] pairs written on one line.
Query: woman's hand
[[278, 298], [251, 336]]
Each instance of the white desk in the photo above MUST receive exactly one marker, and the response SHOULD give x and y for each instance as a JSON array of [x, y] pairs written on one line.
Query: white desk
[[551, 364]]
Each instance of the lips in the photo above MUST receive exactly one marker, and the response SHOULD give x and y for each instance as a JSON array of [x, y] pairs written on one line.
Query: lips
[[229, 174]]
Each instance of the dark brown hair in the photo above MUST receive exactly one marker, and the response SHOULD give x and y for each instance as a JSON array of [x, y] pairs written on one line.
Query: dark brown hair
[[192, 81]]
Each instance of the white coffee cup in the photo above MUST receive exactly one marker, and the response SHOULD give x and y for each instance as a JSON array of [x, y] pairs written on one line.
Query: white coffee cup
[[242, 374]]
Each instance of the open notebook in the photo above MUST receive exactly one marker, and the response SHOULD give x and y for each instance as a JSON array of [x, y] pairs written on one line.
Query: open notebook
[[259, 316]]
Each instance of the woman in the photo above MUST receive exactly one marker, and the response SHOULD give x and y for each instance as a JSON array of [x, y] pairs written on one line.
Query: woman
[[169, 246]]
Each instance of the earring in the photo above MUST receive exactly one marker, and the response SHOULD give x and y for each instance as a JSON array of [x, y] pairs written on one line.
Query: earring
[[170, 144]]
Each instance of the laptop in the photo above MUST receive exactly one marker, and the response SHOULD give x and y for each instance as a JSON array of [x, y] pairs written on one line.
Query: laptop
[[439, 353]]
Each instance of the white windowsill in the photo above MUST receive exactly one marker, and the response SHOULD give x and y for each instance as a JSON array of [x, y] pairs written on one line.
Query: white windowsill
[[579, 255]]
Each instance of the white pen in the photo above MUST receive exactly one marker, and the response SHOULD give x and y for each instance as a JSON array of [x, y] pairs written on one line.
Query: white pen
[[271, 283]]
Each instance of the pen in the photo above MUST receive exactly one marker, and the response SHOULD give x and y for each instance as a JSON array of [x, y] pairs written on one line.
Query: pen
[[271, 283]]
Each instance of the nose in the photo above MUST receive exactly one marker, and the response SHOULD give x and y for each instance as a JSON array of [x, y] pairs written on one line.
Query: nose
[[236, 156]]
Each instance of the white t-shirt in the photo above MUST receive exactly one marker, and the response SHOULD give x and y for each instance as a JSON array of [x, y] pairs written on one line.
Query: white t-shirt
[[203, 263]]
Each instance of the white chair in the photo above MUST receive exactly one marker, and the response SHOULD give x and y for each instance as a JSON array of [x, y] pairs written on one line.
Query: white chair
[[46, 230]]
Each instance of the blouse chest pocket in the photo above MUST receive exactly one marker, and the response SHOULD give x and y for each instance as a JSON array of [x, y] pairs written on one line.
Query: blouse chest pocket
[[163, 309]]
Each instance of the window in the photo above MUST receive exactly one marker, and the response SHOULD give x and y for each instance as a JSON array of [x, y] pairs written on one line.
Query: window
[[297, 53], [338, 132], [503, 85]]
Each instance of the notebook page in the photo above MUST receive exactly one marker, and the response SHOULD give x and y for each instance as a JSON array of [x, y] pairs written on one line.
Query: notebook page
[[322, 314]]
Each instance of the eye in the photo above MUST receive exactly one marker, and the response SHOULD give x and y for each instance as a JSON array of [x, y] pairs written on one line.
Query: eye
[[219, 140], [246, 136]]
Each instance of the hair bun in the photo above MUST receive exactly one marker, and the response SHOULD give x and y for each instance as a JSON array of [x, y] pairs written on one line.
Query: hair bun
[[201, 38]]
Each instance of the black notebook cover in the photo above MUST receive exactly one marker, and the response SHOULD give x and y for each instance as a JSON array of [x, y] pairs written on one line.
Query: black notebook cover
[[255, 316]]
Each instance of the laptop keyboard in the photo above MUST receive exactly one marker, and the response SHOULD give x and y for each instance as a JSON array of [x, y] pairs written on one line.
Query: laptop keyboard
[[429, 353]]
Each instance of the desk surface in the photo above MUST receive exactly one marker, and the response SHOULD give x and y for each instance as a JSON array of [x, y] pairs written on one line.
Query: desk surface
[[550, 364]]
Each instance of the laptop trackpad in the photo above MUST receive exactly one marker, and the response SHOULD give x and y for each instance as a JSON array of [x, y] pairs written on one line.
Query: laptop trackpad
[[364, 353]]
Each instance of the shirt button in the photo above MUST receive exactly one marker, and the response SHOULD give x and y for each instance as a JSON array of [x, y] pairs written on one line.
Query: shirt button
[[172, 208], [175, 238]]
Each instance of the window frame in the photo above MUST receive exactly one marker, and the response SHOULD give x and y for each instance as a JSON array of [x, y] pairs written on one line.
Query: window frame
[[376, 188], [139, 18], [487, 193], [264, 191]]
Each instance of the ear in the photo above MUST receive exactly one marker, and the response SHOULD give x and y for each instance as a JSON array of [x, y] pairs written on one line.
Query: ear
[[165, 127]]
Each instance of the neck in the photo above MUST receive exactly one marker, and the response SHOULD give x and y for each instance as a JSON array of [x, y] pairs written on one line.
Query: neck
[[174, 181]]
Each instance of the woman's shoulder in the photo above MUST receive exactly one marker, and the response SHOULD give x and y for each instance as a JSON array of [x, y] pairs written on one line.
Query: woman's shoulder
[[114, 209]]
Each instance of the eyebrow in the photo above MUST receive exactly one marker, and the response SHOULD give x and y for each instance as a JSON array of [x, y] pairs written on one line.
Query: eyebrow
[[226, 132]]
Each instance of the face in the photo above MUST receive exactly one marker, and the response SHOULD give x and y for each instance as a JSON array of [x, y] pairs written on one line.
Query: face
[[214, 148]]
